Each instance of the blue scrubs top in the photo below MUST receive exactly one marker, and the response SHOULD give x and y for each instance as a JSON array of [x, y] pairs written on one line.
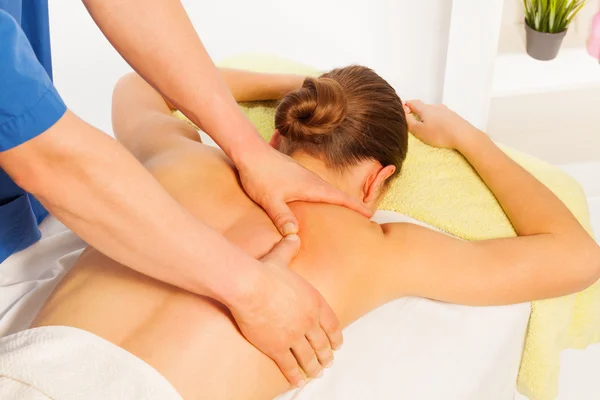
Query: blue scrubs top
[[29, 105]]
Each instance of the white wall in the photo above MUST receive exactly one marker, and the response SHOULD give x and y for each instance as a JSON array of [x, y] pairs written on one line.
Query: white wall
[[404, 40], [559, 127]]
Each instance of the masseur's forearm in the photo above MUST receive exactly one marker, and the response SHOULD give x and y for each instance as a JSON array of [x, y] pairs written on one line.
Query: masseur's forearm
[[95, 187], [158, 40], [531, 207]]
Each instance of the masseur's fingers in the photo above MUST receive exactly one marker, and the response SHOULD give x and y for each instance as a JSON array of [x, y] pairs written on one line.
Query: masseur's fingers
[[282, 217], [322, 192], [331, 327], [289, 367], [284, 252], [307, 358], [320, 343]]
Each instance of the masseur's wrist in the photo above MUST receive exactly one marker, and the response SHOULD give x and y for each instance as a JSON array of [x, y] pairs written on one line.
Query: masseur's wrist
[[246, 152], [239, 288]]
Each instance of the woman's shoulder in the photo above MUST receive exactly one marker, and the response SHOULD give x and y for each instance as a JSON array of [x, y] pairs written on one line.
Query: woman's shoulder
[[203, 180]]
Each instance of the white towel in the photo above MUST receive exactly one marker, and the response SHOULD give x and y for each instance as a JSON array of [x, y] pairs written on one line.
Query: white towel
[[64, 363]]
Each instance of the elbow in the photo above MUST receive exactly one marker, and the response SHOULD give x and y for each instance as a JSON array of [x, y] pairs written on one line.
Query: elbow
[[587, 260], [43, 164], [594, 260], [36, 179], [124, 84], [27, 172]]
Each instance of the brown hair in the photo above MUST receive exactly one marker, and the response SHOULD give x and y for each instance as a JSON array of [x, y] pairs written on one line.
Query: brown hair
[[343, 117]]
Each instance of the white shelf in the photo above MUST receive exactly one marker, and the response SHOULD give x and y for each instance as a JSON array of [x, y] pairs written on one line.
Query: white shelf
[[518, 74]]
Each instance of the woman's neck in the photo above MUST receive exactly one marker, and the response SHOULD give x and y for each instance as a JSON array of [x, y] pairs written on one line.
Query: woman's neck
[[345, 182]]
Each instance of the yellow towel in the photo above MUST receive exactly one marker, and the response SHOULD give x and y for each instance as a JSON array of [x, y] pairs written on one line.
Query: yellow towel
[[440, 188]]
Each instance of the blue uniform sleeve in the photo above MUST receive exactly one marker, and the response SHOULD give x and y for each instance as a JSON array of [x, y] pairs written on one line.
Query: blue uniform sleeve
[[29, 102]]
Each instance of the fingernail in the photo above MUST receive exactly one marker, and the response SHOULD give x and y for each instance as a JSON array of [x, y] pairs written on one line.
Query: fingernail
[[301, 384], [293, 237], [320, 374], [328, 364], [339, 346], [289, 228]]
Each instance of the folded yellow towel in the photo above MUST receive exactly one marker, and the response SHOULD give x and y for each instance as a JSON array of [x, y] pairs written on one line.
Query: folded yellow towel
[[440, 188]]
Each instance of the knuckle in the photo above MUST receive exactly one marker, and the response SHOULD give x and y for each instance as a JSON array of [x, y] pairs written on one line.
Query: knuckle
[[330, 325], [325, 360], [287, 364], [338, 337], [290, 372], [314, 368], [319, 341], [321, 344], [311, 321], [336, 341], [325, 350], [280, 217], [305, 356], [293, 377], [328, 356]]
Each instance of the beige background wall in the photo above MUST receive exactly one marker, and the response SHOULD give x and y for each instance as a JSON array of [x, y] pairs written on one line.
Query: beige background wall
[[559, 127]]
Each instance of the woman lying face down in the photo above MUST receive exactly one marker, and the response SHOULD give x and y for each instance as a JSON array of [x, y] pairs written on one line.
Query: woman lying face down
[[349, 127]]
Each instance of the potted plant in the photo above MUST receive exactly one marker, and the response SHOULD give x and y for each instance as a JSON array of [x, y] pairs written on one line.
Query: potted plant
[[546, 24]]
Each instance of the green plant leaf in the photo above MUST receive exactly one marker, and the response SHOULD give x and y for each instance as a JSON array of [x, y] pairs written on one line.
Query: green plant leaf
[[552, 16], [528, 18], [560, 15], [538, 17], [574, 13]]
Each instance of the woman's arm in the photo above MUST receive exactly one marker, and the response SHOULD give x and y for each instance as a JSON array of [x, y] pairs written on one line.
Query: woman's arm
[[553, 255], [257, 86], [142, 119]]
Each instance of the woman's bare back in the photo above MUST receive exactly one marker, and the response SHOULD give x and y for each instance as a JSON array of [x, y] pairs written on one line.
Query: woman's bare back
[[190, 339]]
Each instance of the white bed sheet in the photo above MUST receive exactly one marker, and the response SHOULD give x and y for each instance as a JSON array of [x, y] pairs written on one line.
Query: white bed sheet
[[411, 348], [28, 277]]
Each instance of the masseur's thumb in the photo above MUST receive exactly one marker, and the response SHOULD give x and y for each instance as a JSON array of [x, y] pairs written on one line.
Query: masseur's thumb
[[284, 252], [282, 217]]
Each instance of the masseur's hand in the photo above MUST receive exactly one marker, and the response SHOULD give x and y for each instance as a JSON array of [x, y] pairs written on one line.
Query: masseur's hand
[[437, 125], [287, 319], [273, 179]]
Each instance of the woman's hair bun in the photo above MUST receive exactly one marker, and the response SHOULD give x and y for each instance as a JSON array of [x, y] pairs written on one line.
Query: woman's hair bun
[[313, 111]]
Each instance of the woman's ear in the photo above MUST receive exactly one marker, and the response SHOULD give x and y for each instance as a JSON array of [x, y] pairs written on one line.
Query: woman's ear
[[376, 183], [275, 139]]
